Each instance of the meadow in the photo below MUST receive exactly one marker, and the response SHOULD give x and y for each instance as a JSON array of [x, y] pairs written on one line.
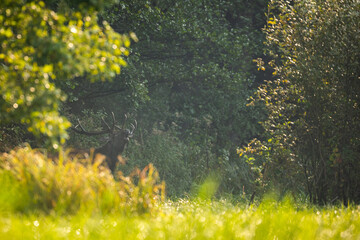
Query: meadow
[[192, 220], [44, 199]]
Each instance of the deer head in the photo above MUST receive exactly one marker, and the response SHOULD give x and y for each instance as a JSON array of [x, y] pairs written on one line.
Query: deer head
[[118, 138]]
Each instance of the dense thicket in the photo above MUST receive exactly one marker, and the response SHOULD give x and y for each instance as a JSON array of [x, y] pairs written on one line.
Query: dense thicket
[[311, 134]]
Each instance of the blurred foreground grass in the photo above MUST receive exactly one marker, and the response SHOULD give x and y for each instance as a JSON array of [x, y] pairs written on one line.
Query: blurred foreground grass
[[192, 220], [44, 198]]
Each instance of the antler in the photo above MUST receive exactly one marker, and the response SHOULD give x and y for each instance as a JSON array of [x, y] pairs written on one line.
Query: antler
[[110, 129], [93, 133], [123, 126], [133, 127]]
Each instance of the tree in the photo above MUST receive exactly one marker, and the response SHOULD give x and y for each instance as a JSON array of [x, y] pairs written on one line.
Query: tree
[[46, 46], [311, 142]]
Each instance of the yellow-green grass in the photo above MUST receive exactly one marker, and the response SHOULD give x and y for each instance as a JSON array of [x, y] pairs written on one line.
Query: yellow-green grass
[[31, 182], [191, 220]]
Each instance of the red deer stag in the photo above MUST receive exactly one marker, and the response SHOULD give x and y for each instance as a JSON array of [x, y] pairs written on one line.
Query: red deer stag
[[118, 138]]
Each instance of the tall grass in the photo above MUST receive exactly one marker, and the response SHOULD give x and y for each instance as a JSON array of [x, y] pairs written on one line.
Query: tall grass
[[32, 182]]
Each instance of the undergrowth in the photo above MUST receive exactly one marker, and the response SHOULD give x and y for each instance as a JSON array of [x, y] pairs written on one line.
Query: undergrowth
[[32, 182]]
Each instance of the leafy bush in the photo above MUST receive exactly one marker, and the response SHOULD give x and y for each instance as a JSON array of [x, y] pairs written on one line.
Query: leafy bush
[[34, 182]]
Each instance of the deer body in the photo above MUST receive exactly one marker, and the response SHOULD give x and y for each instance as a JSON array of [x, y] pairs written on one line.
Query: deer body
[[118, 138], [112, 149]]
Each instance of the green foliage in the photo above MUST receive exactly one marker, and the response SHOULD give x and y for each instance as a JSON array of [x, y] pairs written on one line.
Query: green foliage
[[13, 135], [194, 220], [41, 50], [184, 167], [80, 5], [311, 142], [168, 155], [34, 183]]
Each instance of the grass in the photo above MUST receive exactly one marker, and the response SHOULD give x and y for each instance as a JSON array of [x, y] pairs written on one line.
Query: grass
[[44, 199], [31, 182], [192, 220]]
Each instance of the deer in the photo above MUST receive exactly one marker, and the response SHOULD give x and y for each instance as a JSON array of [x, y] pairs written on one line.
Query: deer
[[118, 139]]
